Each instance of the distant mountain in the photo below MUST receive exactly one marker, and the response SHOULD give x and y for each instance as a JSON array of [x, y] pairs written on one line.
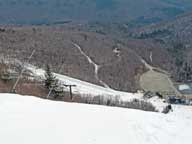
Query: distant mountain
[[48, 11], [176, 35], [177, 29]]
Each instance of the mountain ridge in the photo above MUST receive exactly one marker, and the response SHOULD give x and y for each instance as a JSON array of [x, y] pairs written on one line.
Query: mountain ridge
[[46, 11]]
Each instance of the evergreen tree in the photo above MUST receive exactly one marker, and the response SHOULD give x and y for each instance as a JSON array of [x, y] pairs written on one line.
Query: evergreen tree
[[50, 79], [5, 74]]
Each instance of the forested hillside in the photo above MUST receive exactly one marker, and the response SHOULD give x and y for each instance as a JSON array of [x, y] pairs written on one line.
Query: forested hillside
[[49, 11]]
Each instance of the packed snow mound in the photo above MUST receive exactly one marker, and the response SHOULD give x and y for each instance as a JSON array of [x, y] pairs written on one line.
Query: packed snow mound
[[30, 120]]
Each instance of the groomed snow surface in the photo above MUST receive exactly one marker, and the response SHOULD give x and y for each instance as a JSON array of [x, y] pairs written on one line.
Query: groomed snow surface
[[30, 120], [85, 88]]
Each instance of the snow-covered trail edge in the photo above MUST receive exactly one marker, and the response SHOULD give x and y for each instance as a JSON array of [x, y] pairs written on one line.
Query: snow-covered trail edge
[[83, 87]]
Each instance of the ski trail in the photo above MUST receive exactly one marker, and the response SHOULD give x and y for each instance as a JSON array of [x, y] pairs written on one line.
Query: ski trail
[[151, 56], [146, 64], [151, 68], [96, 66]]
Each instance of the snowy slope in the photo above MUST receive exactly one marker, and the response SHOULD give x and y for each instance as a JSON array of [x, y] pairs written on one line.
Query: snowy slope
[[29, 120], [83, 87]]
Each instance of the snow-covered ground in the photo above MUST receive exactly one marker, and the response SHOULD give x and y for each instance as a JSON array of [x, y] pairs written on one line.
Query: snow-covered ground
[[85, 88], [30, 120]]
